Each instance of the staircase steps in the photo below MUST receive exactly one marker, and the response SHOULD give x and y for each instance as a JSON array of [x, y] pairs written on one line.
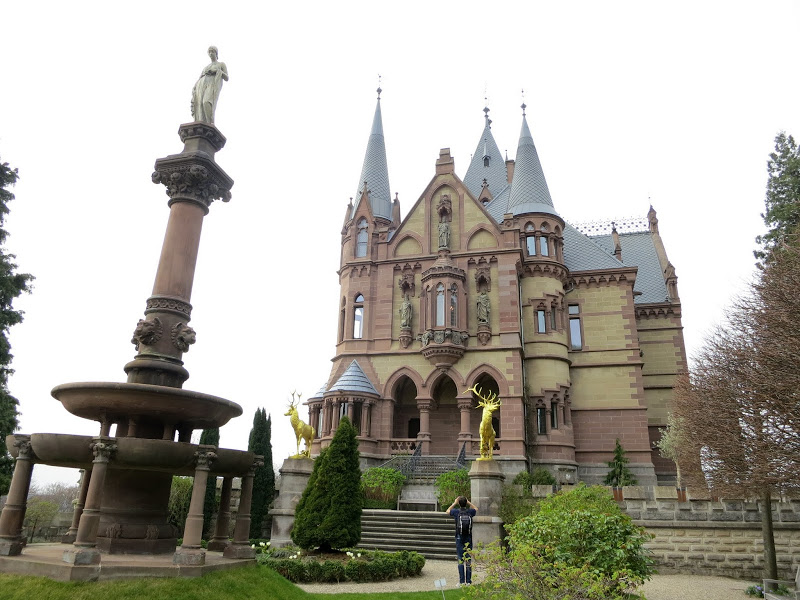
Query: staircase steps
[[432, 534]]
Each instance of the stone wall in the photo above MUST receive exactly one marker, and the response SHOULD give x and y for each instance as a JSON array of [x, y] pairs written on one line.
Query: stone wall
[[705, 537]]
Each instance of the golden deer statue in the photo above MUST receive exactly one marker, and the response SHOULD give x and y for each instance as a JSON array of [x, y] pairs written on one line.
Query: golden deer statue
[[301, 430], [489, 404]]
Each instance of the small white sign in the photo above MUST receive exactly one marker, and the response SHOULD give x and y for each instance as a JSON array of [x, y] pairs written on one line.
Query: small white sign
[[440, 583]]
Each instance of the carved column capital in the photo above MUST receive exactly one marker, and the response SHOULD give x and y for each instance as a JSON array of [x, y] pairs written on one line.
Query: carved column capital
[[258, 462], [23, 445], [204, 457], [102, 448]]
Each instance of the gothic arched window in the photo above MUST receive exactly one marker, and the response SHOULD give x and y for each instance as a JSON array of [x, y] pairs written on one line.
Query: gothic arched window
[[440, 305], [361, 238], [453, 305], [358, 318]]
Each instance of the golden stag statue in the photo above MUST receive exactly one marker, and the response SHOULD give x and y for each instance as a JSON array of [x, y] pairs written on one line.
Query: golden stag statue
[[301, 430], [489, 404]]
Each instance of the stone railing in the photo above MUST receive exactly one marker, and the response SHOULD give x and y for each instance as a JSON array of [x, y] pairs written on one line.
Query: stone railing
[[403, 445]]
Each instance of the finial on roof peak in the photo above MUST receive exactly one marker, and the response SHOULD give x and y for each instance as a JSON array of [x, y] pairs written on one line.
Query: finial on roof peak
[[379, 90], [524, 106]]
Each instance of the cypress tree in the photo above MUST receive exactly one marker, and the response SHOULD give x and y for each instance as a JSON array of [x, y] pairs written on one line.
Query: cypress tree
[[12, 284], [210, 437], [619, 475], [264, 478], [328, 515]]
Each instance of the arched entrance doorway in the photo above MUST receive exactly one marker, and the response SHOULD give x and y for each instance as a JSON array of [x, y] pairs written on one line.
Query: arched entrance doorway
[[406, 416], [445, 420]]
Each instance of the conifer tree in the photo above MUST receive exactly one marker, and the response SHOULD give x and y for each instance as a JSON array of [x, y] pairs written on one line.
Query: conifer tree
[[328, 515], [264, 478], [12, 284], [782, 215], [619, 475], [211, 438]]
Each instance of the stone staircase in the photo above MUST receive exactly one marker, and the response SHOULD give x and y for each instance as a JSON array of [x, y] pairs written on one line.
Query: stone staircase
[[432, 534]]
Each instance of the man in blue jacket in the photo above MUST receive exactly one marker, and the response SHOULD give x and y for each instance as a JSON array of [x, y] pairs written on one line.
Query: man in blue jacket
[[463, 511]]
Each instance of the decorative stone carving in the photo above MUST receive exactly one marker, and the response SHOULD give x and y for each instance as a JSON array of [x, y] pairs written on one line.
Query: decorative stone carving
[[192, 182], [438, 337], [405, 337], [102, 449], [167, 304], [444, 234], [205, 93], [444, 208], [484, 334], [201, 130], [483, 278], [114, 531], [23, 445], [484, 308], [183, 336], [406, 312], [147, 332], [204, 458]]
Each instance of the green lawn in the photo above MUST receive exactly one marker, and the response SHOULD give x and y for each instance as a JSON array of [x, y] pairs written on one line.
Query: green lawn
[[237, 584]]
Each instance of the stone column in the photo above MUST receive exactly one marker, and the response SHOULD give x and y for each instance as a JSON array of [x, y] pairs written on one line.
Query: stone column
[[221, 531], [365, 418], [465, 409], [191, 552], [11, 542], [486, 485], [295, 473], [424, 435], [84, 550], [240, 548], [335, 408], [69, 537], [351, 410]]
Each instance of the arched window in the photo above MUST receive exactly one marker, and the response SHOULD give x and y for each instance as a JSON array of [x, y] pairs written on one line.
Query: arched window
[[543, 250], [453, 305], [530, 239], [358, 318], [361, 238], [440, 305]]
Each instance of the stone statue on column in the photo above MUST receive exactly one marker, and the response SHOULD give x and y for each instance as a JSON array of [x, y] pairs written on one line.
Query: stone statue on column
[[205, 93]]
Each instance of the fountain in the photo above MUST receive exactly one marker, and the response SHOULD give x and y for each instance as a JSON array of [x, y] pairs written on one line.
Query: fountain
[[122, 508]]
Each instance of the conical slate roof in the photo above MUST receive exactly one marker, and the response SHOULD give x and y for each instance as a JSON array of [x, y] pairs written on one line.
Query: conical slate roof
[[529, 192], [320, 393], [495, 174], [354, 380], [375, 170]]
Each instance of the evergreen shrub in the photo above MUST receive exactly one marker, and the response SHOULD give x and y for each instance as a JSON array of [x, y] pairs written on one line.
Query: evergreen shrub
[[381, 486], [451, 485], [357, 565]]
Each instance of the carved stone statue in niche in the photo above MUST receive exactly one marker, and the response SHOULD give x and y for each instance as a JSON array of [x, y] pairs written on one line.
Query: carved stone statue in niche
[[444, 234], [484, 307], [406, 312]]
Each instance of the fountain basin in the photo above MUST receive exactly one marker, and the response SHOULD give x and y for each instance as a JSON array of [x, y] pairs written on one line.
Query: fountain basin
[[115, 402]]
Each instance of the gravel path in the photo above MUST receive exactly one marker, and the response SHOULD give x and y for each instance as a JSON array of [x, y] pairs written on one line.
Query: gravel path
[[661, 587]]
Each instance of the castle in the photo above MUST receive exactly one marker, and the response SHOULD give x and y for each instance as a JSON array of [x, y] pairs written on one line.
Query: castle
[[484, 282]]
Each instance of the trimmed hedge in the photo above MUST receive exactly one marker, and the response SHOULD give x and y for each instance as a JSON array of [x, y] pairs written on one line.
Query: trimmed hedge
[[372, 565]]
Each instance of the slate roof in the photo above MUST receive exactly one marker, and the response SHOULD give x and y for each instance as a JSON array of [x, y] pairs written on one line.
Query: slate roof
[[529, 191], [354, 380], [638, 250], [375, 170], [582, 253], [320, 393], [495, 174]]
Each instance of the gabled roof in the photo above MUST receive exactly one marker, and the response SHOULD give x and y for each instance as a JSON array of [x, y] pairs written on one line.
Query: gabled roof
[[529, 191], [495, 174], [354, 380], [375, 170], [639, 251]]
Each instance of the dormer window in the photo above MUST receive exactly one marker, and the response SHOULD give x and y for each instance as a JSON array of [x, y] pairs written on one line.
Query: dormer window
[[486, 161], [361, 238]]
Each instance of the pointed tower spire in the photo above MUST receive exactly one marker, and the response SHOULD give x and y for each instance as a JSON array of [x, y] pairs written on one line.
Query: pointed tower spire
[[375, 171], [529, 191], [487, 163]]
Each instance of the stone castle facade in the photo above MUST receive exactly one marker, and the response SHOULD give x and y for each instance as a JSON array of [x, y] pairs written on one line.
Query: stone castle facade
[[485, 282]]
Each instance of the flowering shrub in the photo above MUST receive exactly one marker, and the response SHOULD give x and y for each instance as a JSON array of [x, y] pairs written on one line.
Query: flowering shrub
[[355, 565]]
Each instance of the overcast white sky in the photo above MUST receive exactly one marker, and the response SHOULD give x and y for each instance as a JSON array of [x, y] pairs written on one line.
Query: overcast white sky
[[674, 103]]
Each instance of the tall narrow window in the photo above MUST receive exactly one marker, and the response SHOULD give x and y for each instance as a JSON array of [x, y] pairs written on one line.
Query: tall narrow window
[[361, 238], [553, 326], [540, 321], [543, 246], [453, 305], [575, 340], [440, 305], [485, 161], [530, 240], [541, 420], [554, 415], [358, 318]]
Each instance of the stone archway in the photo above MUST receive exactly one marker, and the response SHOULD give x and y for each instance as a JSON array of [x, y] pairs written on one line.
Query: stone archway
[[487, 385], [406, 422], [445, 419]]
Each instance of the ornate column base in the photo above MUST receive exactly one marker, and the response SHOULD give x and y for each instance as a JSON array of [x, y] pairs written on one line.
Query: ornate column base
[[81, 556], [235, 550], [216, 545], [11, 546], [69, 537], [189, 556]]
